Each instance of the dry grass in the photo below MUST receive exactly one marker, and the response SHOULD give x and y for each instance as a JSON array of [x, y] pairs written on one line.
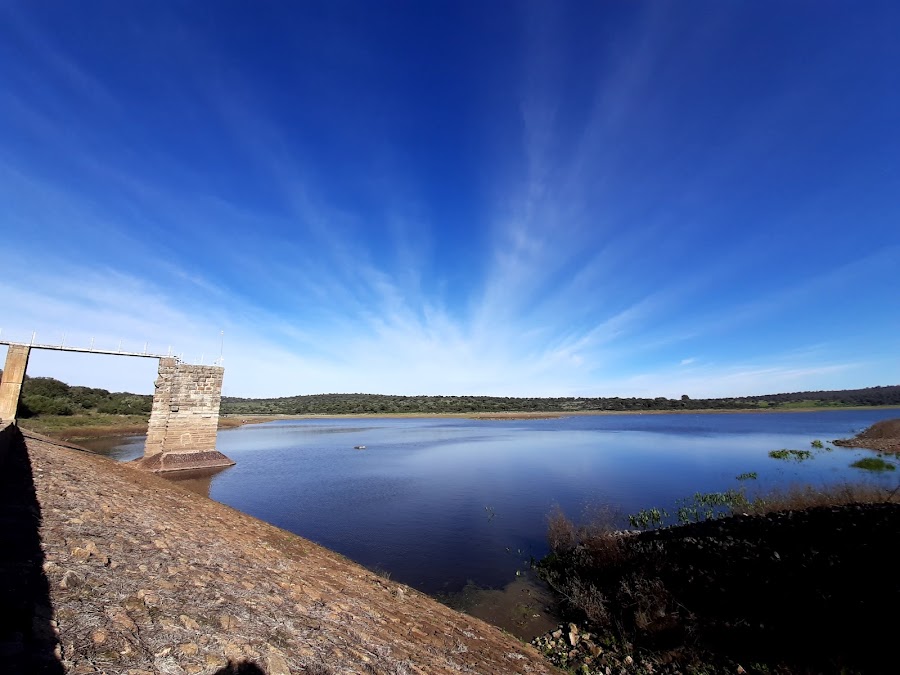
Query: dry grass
[[595, 545], [86, 426], [100, 425], [886, 429], [561, 533], [597, 542], [797, 498]]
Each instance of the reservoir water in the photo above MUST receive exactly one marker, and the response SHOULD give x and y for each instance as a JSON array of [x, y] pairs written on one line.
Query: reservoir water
[[439, 503]]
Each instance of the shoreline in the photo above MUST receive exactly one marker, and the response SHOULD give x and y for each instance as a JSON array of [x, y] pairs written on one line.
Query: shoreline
[[548, 414], [233, 421]]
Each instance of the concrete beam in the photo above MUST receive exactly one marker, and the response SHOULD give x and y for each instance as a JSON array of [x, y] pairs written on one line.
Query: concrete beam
[[11, 386]]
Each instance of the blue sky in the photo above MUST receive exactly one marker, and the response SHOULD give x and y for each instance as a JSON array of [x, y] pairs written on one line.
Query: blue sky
[[506, 198]]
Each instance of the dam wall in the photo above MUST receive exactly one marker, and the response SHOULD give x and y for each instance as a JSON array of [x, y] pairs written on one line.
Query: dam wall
[[146, 577]]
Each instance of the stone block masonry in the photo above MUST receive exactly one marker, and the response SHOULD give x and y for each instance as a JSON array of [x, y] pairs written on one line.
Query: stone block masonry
[[184, 418]]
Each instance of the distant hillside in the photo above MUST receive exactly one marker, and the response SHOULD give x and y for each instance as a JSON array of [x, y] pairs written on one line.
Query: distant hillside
[[48, 396], [335, 404]]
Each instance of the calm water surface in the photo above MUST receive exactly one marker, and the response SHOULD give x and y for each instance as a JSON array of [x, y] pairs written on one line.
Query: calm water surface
[[441, 502]]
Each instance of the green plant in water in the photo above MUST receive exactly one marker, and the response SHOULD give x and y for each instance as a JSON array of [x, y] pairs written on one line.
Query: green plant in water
[[646, 518], [873, 464], [750, 475], [817, 444], [709, 505], [797, 455]]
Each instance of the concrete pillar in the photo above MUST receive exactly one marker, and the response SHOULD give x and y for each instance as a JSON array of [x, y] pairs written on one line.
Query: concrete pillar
[[11, 386], [184, 418]]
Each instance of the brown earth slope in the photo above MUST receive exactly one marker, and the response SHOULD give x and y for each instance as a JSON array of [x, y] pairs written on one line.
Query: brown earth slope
[[145, 577], [883, 436]]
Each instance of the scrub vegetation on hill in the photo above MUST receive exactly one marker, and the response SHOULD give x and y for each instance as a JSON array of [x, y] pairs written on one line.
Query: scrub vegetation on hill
[[335, 404], [46, 396]]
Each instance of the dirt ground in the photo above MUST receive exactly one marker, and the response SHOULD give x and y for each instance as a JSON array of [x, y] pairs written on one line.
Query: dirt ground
[[128, 573]]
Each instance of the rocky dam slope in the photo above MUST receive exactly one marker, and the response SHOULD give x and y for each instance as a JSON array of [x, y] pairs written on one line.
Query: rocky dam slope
[[109, 570]]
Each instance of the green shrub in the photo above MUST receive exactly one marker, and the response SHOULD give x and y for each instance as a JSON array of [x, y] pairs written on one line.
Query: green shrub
[[38, 404]]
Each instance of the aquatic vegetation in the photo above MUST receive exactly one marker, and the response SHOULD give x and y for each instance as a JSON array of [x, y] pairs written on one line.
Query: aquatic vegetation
[[709, 505], [646, 518], [873, 464], [817, 444], [750, 475], [796, 455]]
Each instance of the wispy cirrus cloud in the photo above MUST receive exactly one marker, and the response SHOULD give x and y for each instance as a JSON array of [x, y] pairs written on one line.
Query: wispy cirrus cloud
[[625, 214]]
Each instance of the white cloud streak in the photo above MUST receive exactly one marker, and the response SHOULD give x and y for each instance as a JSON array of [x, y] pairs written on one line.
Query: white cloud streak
[[571, 304]]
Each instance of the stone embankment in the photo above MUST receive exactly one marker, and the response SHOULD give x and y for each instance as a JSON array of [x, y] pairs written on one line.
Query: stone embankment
[[136, 575]]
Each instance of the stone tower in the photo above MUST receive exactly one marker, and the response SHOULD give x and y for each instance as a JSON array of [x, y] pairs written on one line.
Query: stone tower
[[184, 418]]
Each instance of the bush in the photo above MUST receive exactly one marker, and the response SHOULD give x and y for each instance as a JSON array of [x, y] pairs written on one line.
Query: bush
[[37, 404], [44, 386], [560, 532]]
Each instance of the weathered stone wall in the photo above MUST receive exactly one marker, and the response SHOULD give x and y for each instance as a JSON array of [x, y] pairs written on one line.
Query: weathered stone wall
[[185, 411], [11, 386]]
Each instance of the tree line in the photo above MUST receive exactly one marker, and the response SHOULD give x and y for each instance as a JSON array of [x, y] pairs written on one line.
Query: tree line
[[49, 396], [336, 404]]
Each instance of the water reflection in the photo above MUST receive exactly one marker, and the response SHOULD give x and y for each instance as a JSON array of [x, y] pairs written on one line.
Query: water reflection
[[118, 448], [439, 503], [195, 480]]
